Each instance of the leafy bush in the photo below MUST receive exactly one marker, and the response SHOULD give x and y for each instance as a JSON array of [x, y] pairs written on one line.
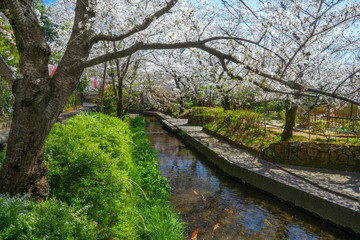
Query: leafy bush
[[89, 158], [206, 111], [6, 98], [9, 52], [2, 157], [22, 218], [282, 115], [109, 101], [94, 164]]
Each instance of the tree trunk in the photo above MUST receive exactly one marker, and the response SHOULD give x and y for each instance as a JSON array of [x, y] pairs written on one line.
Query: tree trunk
[[226, 103], [181, 103], [39, 99], [290, 117], [119, 101], [103, 87]]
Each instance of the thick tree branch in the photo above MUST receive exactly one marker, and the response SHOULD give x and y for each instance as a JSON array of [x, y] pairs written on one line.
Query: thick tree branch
[[201, 45], [296, 93], [16, 12], [137, 47], [237, 39], [137, 28]]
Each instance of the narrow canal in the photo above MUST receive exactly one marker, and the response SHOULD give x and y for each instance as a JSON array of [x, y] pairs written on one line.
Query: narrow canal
[[205, 197]]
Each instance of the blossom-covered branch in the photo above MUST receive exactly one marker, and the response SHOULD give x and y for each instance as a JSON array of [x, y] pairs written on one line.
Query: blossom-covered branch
[[137, 28]]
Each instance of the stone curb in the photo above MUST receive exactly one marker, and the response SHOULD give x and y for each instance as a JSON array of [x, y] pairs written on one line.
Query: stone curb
[[340, 211]]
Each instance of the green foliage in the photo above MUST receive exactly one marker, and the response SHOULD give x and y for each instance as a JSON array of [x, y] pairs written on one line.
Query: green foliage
[[241, 126], [282, 115], [48, 27], [94, 164], [89, 158], [156, 220], [351, 126], [274, 106], [8, 48], [10, 54], [6, 98], [82, 85], [22, 218], [206, 111], [171, 108], [302, 120], [109, 101], [2, 157]]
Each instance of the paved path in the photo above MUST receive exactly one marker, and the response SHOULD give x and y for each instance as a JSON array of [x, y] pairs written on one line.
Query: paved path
[[333, 195], [305, 133]]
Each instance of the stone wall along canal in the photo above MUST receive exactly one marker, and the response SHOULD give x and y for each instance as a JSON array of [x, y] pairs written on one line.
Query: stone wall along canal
[[205, 197]]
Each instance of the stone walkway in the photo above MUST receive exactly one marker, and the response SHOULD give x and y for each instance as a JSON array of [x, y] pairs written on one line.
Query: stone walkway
[[332, 195]]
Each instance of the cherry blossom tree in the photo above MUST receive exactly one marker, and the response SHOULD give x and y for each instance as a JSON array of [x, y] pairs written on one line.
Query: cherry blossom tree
[[296, 48], [302, 48], [81, 26]]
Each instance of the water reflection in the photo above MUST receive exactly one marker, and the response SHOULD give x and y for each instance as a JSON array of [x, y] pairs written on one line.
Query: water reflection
[[242, 212]]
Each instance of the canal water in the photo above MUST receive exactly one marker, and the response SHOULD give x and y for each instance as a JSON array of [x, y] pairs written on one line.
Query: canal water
[[206, 198]]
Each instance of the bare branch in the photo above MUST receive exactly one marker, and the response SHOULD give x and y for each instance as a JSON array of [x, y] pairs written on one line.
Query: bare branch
[[350, 76], [137, 28], [252, 12]]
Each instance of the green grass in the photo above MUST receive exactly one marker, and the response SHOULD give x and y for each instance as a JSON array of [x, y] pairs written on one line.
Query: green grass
[[158, 220]]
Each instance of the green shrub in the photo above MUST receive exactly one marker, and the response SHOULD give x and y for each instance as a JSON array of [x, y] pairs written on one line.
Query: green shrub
[[95, 164], [241, 126], [2, 157], [109, 101], [206, 111], [22, 218], [282, 115], [89, 158], [6, 98]]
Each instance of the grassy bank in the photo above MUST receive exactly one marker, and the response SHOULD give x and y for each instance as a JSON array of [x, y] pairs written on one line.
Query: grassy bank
[[241, 126], [104, 174]]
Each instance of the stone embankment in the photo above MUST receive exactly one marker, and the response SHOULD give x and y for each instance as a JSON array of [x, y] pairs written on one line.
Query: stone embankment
[[319, 155], [331, 195]]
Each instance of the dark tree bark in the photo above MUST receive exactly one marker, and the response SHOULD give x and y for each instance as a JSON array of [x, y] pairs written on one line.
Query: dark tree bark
[[290, 117], [226, 103], [102, 92], [39, 99], [119, 95]]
